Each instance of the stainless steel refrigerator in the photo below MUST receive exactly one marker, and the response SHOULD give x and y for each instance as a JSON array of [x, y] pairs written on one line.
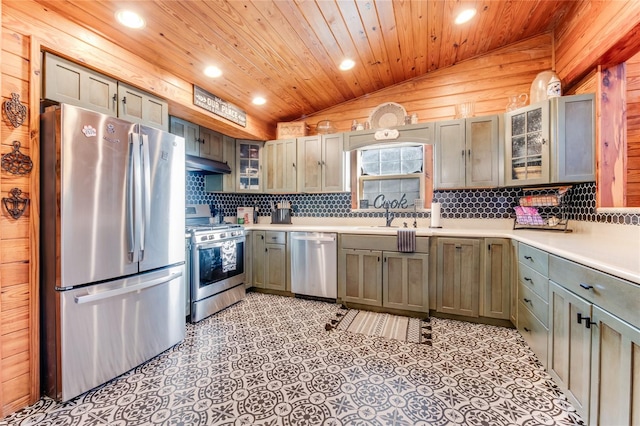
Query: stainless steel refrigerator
[[112, 247]]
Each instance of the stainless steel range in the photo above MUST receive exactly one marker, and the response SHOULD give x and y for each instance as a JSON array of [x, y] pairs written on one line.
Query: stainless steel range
[[216, 263]]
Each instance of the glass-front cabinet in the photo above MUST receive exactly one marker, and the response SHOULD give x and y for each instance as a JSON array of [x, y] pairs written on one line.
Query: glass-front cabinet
[[527, 145], [552, 141], [249, 166]]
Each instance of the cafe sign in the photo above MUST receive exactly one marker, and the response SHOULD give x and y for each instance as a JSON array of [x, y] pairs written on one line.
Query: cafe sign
[[219, 107]]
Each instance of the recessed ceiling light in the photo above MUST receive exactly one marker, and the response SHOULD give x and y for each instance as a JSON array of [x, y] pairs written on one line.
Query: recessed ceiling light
[[347, 64], [465, 16], [259, 100], [212, 71], [130, 19]]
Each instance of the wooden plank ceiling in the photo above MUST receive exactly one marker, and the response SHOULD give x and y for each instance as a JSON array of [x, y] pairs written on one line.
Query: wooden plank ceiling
[[289, 51]]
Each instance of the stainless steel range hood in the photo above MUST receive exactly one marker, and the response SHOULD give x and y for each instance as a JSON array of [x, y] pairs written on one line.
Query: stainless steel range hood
[[204, 165]]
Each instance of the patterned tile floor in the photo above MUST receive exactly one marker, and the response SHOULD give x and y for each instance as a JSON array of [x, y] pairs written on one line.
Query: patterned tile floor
[[269, 361]]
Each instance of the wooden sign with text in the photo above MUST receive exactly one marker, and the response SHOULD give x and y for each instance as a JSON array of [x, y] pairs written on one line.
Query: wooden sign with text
[[220, 107]]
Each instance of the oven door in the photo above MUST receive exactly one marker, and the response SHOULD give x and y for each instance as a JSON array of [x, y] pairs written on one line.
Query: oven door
[[216, 266]]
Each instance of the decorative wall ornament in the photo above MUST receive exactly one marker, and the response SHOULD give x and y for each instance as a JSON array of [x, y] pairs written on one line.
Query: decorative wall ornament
[[15, 204], [16, 162], [386, 134], [15, 111]]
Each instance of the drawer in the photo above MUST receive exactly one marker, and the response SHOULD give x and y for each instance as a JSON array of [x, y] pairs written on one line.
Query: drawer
[[379, 242], [275, 237], [534, 303], [534, 332], [534, 258], [534, 280], [612, 294]]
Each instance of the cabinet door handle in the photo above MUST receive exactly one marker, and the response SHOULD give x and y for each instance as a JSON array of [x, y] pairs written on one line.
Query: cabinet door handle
[[294, 165], [115, 101], [587, 320], [529, 301], [529, 258], [124, 105], [586, 286], [463, 152], [544, 141], [319, 163], [469, 153], [262, 237], [528, 280], [458, 247], [527, 330]]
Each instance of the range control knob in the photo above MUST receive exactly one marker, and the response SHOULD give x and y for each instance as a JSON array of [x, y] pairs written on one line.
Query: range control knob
[[203, 238], [211, 237]]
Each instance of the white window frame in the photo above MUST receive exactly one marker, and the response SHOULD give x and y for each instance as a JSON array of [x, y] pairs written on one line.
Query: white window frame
[[360, 179]]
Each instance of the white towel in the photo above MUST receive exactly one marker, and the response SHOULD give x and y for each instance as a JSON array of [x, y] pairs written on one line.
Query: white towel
[[407, 240], [228, 252]]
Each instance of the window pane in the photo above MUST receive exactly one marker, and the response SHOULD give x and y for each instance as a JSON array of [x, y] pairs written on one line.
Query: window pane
[[411, 167], [390, 168], [389, 154], [412, 153]]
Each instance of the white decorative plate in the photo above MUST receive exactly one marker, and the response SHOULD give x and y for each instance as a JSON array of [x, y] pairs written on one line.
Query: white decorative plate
[[387, 115]]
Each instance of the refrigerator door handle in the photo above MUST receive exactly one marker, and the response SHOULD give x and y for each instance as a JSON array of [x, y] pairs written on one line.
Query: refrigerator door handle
[[146, 192], [125, 290], [131, 201]]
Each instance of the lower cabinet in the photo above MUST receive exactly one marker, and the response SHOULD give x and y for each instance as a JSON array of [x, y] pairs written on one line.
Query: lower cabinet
[[360, 276], [383, 278], [615, 372], [269, 266], [457, 277], [594, 342], [405, 278], [473, 277], [570, 345]]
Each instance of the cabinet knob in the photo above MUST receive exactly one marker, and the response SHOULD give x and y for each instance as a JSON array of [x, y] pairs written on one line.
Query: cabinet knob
[[319, 163], [294, 165]]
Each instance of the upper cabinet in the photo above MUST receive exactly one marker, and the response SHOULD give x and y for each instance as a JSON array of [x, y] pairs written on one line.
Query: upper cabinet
[[199, 141], [70, 83], [280, 171], [249, 166], [468, 153], [322, 164], [141, 107], [551, 142], [67, 82]]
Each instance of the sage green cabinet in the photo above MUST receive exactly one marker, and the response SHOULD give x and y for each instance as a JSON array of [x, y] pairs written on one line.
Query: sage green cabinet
[[321, 165], [269, 266], [405, 278], [249, 165], [457, 276], [372, 272], [199, 141], [569, 361], [360, 276], [67, 82], [552, 141], [615, 370], [468, 153], [495, 287], [280, 171], [141, 107]]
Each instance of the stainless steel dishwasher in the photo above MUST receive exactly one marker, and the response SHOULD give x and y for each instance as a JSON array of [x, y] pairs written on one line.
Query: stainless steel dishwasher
[[313, 264]]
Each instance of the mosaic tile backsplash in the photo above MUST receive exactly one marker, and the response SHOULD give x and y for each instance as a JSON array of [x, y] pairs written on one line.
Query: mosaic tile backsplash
[[458, 204]]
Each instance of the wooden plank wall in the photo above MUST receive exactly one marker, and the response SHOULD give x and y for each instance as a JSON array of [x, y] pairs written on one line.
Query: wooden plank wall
[[487, 81], [18, 269], [633, 131], [60, 36]]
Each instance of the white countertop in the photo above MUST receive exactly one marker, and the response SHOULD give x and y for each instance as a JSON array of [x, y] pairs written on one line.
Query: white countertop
[[614, 249]]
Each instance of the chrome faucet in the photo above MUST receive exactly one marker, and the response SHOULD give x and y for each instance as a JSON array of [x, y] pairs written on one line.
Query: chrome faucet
[[389, 216]]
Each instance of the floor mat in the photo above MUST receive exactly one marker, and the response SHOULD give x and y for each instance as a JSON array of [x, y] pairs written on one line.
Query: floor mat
[[404, 329]]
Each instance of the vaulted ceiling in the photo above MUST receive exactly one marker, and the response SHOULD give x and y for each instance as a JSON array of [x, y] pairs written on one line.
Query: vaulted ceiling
[[288, 51]]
